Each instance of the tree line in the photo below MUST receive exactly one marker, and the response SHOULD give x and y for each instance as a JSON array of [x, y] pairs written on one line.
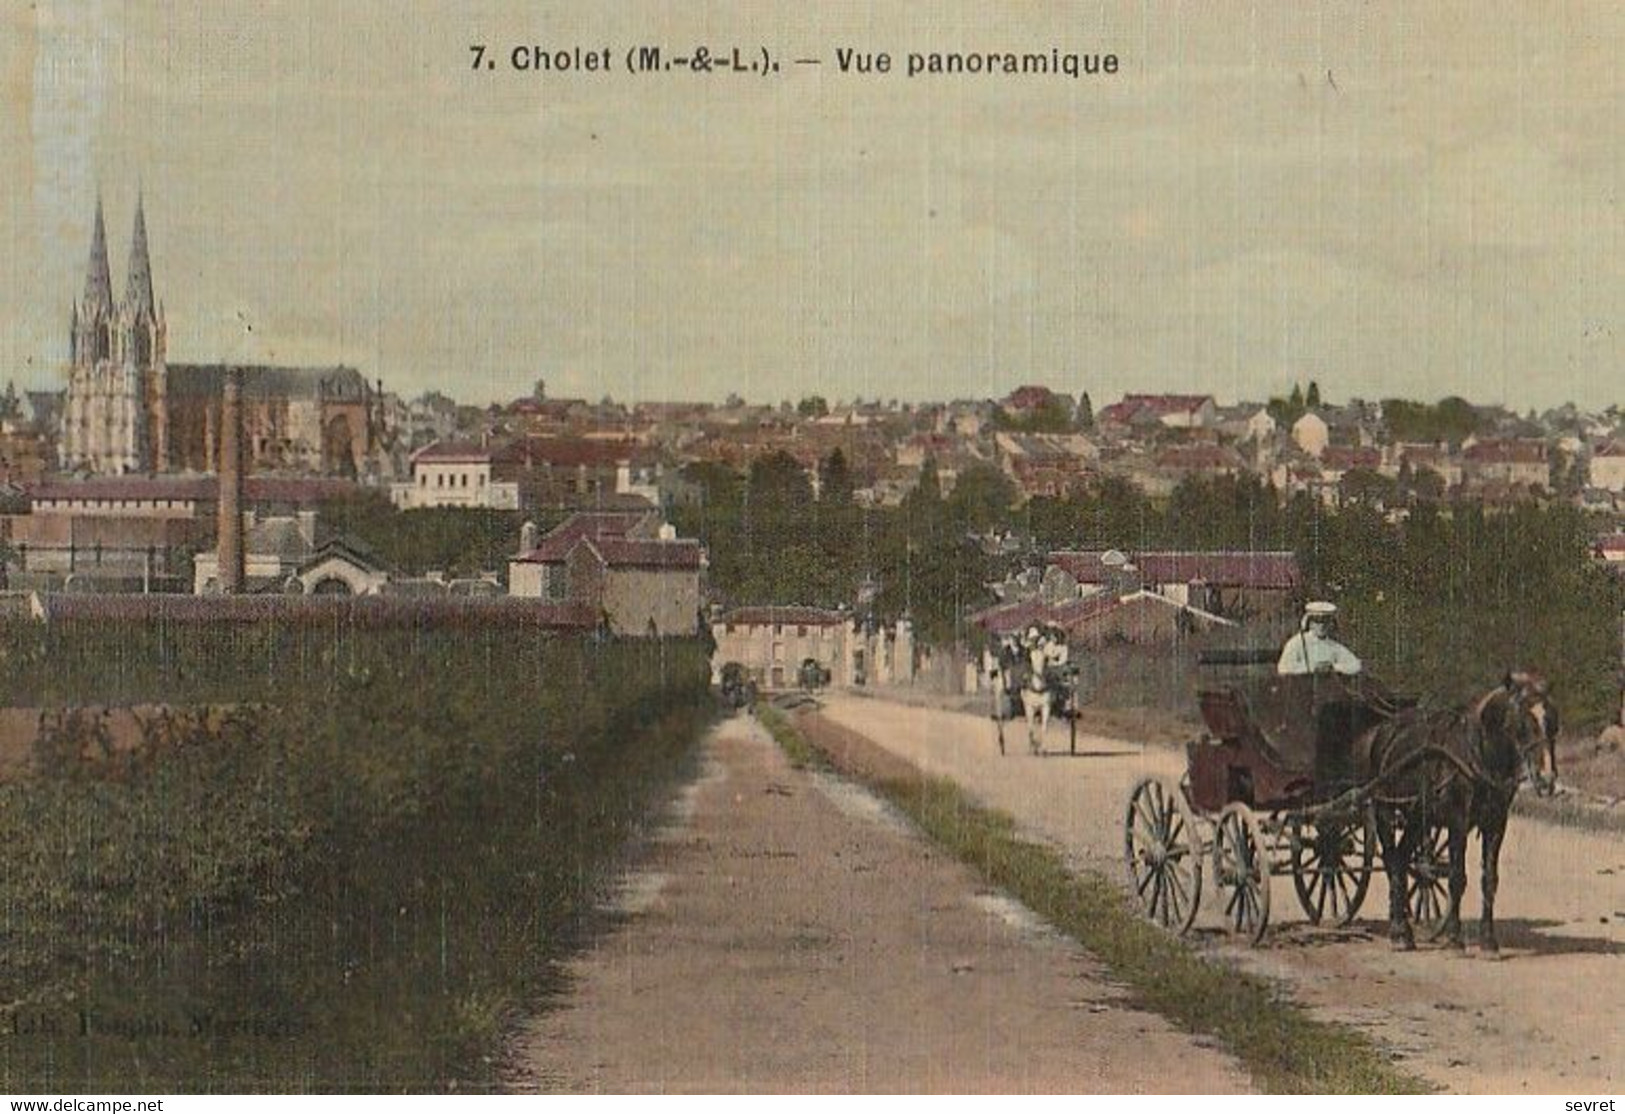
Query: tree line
[[1438, 602]]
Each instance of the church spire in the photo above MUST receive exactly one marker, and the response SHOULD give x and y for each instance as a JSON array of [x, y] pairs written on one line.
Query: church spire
[[98, 278], [138, 290]]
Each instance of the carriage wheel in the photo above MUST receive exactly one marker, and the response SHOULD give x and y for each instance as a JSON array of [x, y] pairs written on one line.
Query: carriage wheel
[[1331, 866], [1428, 889], [1164, 853], [1241, 871]]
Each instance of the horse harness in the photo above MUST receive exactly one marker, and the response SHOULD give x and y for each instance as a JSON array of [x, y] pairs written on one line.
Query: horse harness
[[1472, 770]]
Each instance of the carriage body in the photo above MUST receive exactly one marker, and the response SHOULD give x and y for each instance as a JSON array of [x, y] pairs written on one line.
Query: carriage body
[[1281, 742]]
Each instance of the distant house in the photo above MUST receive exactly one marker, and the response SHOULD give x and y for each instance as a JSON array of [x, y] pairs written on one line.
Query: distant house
[[626, 566], [1221, 582], [1513, 462], [1336, 461], [341, 567], [772, 643], [1435, 458], [1247, 422], [1311, 434], [1608, 467], [1172, 411], [1030, 400], [1137, 617], [1210, 460]]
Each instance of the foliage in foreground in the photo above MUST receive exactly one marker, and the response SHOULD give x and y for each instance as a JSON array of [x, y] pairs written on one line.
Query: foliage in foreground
[[352, 888]]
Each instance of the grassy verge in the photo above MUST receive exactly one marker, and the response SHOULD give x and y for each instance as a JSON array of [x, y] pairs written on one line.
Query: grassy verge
[[801, 753], [1283, 1047]]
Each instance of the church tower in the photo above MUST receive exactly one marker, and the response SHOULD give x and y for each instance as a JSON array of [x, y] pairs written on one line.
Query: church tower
[[114, 415], [140, 354], [93, 316]]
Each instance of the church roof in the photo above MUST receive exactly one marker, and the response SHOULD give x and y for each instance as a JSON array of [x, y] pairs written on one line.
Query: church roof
[[265, 382]]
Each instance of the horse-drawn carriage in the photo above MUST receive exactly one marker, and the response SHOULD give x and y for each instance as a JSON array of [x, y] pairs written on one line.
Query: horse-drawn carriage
[[1276, 786], [1035, 679]]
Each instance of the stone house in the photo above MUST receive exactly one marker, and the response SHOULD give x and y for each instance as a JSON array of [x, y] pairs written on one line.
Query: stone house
[[772, 643], [628, 567]]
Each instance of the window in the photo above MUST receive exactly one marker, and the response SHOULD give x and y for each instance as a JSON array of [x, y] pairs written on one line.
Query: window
[[423, 479], [558, 584], [801, 632], [778, 629]]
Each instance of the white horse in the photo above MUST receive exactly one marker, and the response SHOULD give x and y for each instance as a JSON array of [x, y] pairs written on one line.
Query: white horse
[[1045, 657]]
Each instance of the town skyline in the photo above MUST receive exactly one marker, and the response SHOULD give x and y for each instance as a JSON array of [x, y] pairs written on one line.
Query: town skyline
[[1367, 198]]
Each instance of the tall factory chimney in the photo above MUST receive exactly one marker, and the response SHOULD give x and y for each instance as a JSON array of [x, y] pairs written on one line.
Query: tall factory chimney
[[231, 483]]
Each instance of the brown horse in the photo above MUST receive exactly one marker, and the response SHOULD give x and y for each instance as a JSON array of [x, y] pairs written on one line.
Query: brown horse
[[1459, 770]]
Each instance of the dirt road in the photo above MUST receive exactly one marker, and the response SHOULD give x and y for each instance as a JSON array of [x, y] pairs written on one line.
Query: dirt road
[[1549, 1017], [787, 933]]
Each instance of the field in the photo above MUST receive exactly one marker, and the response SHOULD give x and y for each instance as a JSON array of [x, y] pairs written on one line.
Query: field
[[350, 878]]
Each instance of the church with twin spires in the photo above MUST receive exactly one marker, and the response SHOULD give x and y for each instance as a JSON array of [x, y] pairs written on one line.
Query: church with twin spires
[[128, 410]]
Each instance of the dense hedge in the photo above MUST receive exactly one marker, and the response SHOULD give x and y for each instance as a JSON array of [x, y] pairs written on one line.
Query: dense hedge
[[350, 888]]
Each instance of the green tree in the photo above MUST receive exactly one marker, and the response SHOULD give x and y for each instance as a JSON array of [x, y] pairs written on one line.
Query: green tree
[[981, 498], [813, 406], [835, 478], [778, 483], [1086, 413], [1312, 398], [927, 492]]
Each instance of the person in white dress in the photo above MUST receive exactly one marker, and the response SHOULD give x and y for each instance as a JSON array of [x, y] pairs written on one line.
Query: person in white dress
[[1313, 649]]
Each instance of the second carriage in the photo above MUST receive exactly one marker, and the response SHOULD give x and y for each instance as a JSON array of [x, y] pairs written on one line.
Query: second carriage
[[1270, 790]]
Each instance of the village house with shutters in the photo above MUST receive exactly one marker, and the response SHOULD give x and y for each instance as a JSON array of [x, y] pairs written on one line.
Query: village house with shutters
[[773, 644]]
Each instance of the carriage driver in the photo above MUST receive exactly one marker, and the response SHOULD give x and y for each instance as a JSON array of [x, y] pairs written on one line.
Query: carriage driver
[[1313, 649]]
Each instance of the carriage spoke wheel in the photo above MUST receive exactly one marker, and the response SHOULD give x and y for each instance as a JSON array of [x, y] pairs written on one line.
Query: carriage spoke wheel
[[1241, 871], [1164, 854], [1428, 889], [1331, 866]]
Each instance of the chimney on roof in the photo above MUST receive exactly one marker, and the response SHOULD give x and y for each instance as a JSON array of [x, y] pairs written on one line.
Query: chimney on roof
[[231, 484]]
